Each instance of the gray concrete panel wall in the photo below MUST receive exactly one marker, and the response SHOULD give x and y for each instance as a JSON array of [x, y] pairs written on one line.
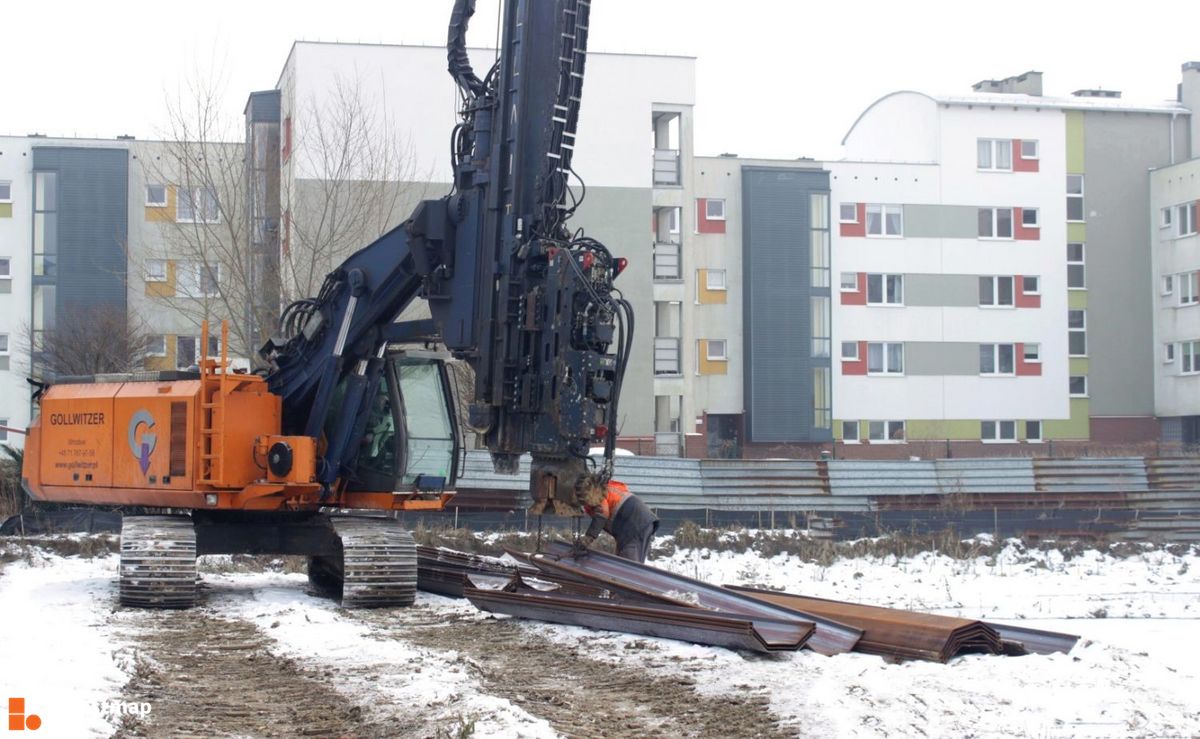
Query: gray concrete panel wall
[[941, 221], [777, 319], [93, 225], [1119, 148], [941, 290], [941, 358]]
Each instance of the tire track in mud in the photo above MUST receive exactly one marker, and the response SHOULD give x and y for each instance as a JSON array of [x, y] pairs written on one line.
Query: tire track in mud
[[579, 696], [209, 677]]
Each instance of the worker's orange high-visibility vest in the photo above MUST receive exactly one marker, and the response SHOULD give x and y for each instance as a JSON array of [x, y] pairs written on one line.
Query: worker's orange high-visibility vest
[[616, 495]]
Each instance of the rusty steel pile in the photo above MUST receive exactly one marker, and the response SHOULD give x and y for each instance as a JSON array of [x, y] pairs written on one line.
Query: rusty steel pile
[[605, 592]]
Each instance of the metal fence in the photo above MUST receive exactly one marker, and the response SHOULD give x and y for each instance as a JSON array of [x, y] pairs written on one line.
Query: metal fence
[[1127, 497]]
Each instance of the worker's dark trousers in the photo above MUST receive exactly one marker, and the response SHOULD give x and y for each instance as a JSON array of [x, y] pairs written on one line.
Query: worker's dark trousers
[[634, 528]]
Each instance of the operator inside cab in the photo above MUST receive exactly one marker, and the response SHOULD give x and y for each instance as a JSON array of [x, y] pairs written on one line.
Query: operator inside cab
[[622, 514]]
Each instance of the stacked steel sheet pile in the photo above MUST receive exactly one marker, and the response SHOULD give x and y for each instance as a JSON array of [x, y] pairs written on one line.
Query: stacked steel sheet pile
[[601, 591]]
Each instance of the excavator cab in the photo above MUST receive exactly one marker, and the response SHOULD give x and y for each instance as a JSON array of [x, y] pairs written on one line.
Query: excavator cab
[[410, 441]]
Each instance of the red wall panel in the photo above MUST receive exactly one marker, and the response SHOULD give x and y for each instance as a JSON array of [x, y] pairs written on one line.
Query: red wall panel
[[859, 367], [1026, 369], [1024, 233], [856, 229], [859, 296], [1023, 299], [703, 224], [1023, 165]]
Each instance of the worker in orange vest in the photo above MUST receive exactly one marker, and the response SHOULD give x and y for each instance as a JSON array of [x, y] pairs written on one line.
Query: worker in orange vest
[[622, 514]]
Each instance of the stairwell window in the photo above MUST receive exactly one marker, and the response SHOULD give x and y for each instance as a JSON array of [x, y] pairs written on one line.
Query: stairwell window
[[1077, 333], [1029, 149], [848, 213], [1029, 218], [995, 223], [1075, 198], [714, 279], [849, 282], [1077, 386], [997, 360], [885, 290], [1031, 285], [714, 209], [850, 351], [1031, 353], [994, 155], [996, 292], [885, 432], [1076, 269], [156, 195], [998, 431], [715, 350], [885, 221]]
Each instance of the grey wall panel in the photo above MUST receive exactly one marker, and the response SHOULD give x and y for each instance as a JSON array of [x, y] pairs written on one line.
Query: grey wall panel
[[93, 225], [941, 358], [941, 290], [1120, 296], [941, 221], [776, 244]]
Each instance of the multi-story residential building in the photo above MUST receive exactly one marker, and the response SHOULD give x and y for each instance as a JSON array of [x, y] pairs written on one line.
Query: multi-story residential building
[[991, 287], [1175, 281]]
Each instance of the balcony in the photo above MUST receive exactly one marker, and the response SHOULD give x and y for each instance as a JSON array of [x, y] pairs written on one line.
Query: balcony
[[666, 356], [667, 261], [666, 167]]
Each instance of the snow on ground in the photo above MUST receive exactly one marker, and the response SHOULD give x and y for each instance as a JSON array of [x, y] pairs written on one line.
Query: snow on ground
[[58, 649], [374, 670], [1136, 676]]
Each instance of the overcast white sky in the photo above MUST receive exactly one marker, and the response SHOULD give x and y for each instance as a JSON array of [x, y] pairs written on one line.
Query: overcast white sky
[[775, 78]]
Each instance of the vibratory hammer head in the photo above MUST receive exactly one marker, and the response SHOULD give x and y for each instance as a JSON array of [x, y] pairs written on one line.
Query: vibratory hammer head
[[560, 486]]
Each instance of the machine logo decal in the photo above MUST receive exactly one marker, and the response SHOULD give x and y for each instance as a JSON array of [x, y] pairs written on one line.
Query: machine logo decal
[[142, 448]]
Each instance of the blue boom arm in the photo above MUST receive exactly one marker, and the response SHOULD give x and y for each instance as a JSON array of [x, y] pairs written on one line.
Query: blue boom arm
[[512, 290]]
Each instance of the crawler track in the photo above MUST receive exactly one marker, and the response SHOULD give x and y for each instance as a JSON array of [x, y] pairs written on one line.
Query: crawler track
[[158, 562], [378, 567]]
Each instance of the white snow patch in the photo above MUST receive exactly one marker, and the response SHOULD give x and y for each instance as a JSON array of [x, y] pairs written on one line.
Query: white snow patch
[[59, 649], [375, 670]]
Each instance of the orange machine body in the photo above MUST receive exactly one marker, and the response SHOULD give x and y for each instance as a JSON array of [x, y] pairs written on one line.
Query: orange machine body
[[198, 444]]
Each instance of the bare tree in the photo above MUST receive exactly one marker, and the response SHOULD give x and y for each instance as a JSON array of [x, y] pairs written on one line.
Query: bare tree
[[346, 180], [87, 341]]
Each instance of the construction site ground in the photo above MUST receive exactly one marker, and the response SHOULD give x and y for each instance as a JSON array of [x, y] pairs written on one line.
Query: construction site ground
[[263, 655]]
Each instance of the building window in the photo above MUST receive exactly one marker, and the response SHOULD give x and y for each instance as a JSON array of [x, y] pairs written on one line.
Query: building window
[[1075, 197], [995, 154], [4, 431], [1077, 333], [1168, 353], [714, 279], [997, 359], [885, 289], [1190, 351], [822, 342], [1029, 218], [885, 221], [1076, 271], [850, 282], [156, 270], [818, 218], [156, 196], [850, 351], [196, 205], [5, 268], [848, 213], [1078, 386], [198, 280], [673, 220], [885, 432], [4, 345], [715, 350], [850, 432], [1029, 149], [1031, 284], [1189, 288], [186, 351], [1168, 284], [1033, 431], [885, 358], [995, 223], [714, 209], [1187, 219], [1164, 218], [5, 191], [156, 346], [998, 431], [1031, 352], [996, 292], [822, 390]]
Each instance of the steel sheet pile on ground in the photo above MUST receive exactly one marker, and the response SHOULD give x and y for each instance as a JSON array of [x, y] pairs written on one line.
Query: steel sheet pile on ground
[[602, 591]]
